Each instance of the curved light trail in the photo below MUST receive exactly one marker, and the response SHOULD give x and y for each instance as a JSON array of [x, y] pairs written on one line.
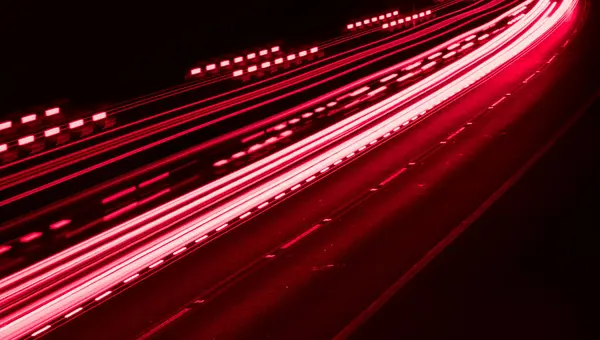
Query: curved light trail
[[49, 293]]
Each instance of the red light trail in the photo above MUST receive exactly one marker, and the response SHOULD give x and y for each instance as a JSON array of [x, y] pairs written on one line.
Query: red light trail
[[43, 295]]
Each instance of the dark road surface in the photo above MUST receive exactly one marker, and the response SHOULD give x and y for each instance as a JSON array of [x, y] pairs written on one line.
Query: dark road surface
[[317, 286], [524, 270]]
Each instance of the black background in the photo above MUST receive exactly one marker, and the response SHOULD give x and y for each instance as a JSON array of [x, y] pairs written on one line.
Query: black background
[[102, 51]]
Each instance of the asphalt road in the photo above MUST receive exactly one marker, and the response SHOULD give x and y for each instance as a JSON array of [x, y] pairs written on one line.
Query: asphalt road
[[524, 269], [317, 286], [90, 175]]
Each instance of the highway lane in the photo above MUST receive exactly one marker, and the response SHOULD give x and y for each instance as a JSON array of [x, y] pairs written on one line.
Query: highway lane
[[524, 267], [514, 48], [82, 183], [174, 105], [188, 92], [190, 274], [125, 268], [333, 275], [30, 186]]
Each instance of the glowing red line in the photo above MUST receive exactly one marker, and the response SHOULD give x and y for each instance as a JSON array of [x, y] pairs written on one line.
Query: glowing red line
[[390, 77], [301, 236], [156, 97], [59, 224], [359, 91], [118, 195], [396, 174], [374, 92], [30, 237], [155, 196], [120, 211], [349, 155], [153, 180], [201, 101]]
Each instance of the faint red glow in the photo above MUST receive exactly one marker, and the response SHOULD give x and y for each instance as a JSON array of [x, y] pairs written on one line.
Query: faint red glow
[[30, 237], [118, 195], [4, 249], [153, 180], [59, 224]]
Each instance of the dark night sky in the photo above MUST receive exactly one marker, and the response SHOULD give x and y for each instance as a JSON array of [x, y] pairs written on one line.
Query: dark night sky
[[95, 51]]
